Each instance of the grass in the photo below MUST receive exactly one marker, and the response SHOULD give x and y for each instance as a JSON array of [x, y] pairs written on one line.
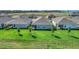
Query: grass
[[41, 39]]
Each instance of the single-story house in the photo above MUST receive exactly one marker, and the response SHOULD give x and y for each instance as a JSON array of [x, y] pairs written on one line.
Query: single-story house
[[23, 17], [76, 21], [4, 19], [41, 23], [19, 23], [75, 13], [63, 22], [4, 14]]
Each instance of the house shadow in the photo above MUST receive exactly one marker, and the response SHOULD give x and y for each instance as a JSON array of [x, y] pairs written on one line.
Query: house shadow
[[74, 37], [56, 36]]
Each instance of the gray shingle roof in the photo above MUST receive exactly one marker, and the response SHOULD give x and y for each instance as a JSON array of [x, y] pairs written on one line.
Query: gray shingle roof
[[75, 19], [59, 19], [42, 21], [19, 21], [4, 19]]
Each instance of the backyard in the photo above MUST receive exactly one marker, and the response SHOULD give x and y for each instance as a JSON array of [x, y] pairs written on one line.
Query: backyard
[[42, 39]]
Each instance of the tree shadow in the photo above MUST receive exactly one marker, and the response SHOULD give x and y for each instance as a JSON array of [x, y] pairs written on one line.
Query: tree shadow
[[75, 37], [56, 36], [20, 35], [34, 36]]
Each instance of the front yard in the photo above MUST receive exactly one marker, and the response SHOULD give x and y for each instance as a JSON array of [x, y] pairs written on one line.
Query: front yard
[[40, 39]]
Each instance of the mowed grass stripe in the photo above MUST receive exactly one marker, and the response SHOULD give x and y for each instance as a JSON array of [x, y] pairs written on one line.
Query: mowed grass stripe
[[41, 39]]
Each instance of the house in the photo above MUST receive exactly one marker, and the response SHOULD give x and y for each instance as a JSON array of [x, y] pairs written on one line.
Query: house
[[76, 21], [4, 14], [4, 19], [74, 13], [19, 23], [23, 17], [42, 23], [64, 22]]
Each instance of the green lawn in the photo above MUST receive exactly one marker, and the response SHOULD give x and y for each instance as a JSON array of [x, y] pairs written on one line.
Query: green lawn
[[41, 39]]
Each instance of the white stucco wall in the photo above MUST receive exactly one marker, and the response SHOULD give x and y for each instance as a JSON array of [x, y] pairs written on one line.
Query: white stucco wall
[[20, 26], [43, 27]]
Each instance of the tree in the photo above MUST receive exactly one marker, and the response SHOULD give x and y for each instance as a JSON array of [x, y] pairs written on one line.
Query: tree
[[69, 29], [54, 26], [2, 25], [30, 28], [52, 23], [51, 16], [30, 25], [18, 30], [31, 16]]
